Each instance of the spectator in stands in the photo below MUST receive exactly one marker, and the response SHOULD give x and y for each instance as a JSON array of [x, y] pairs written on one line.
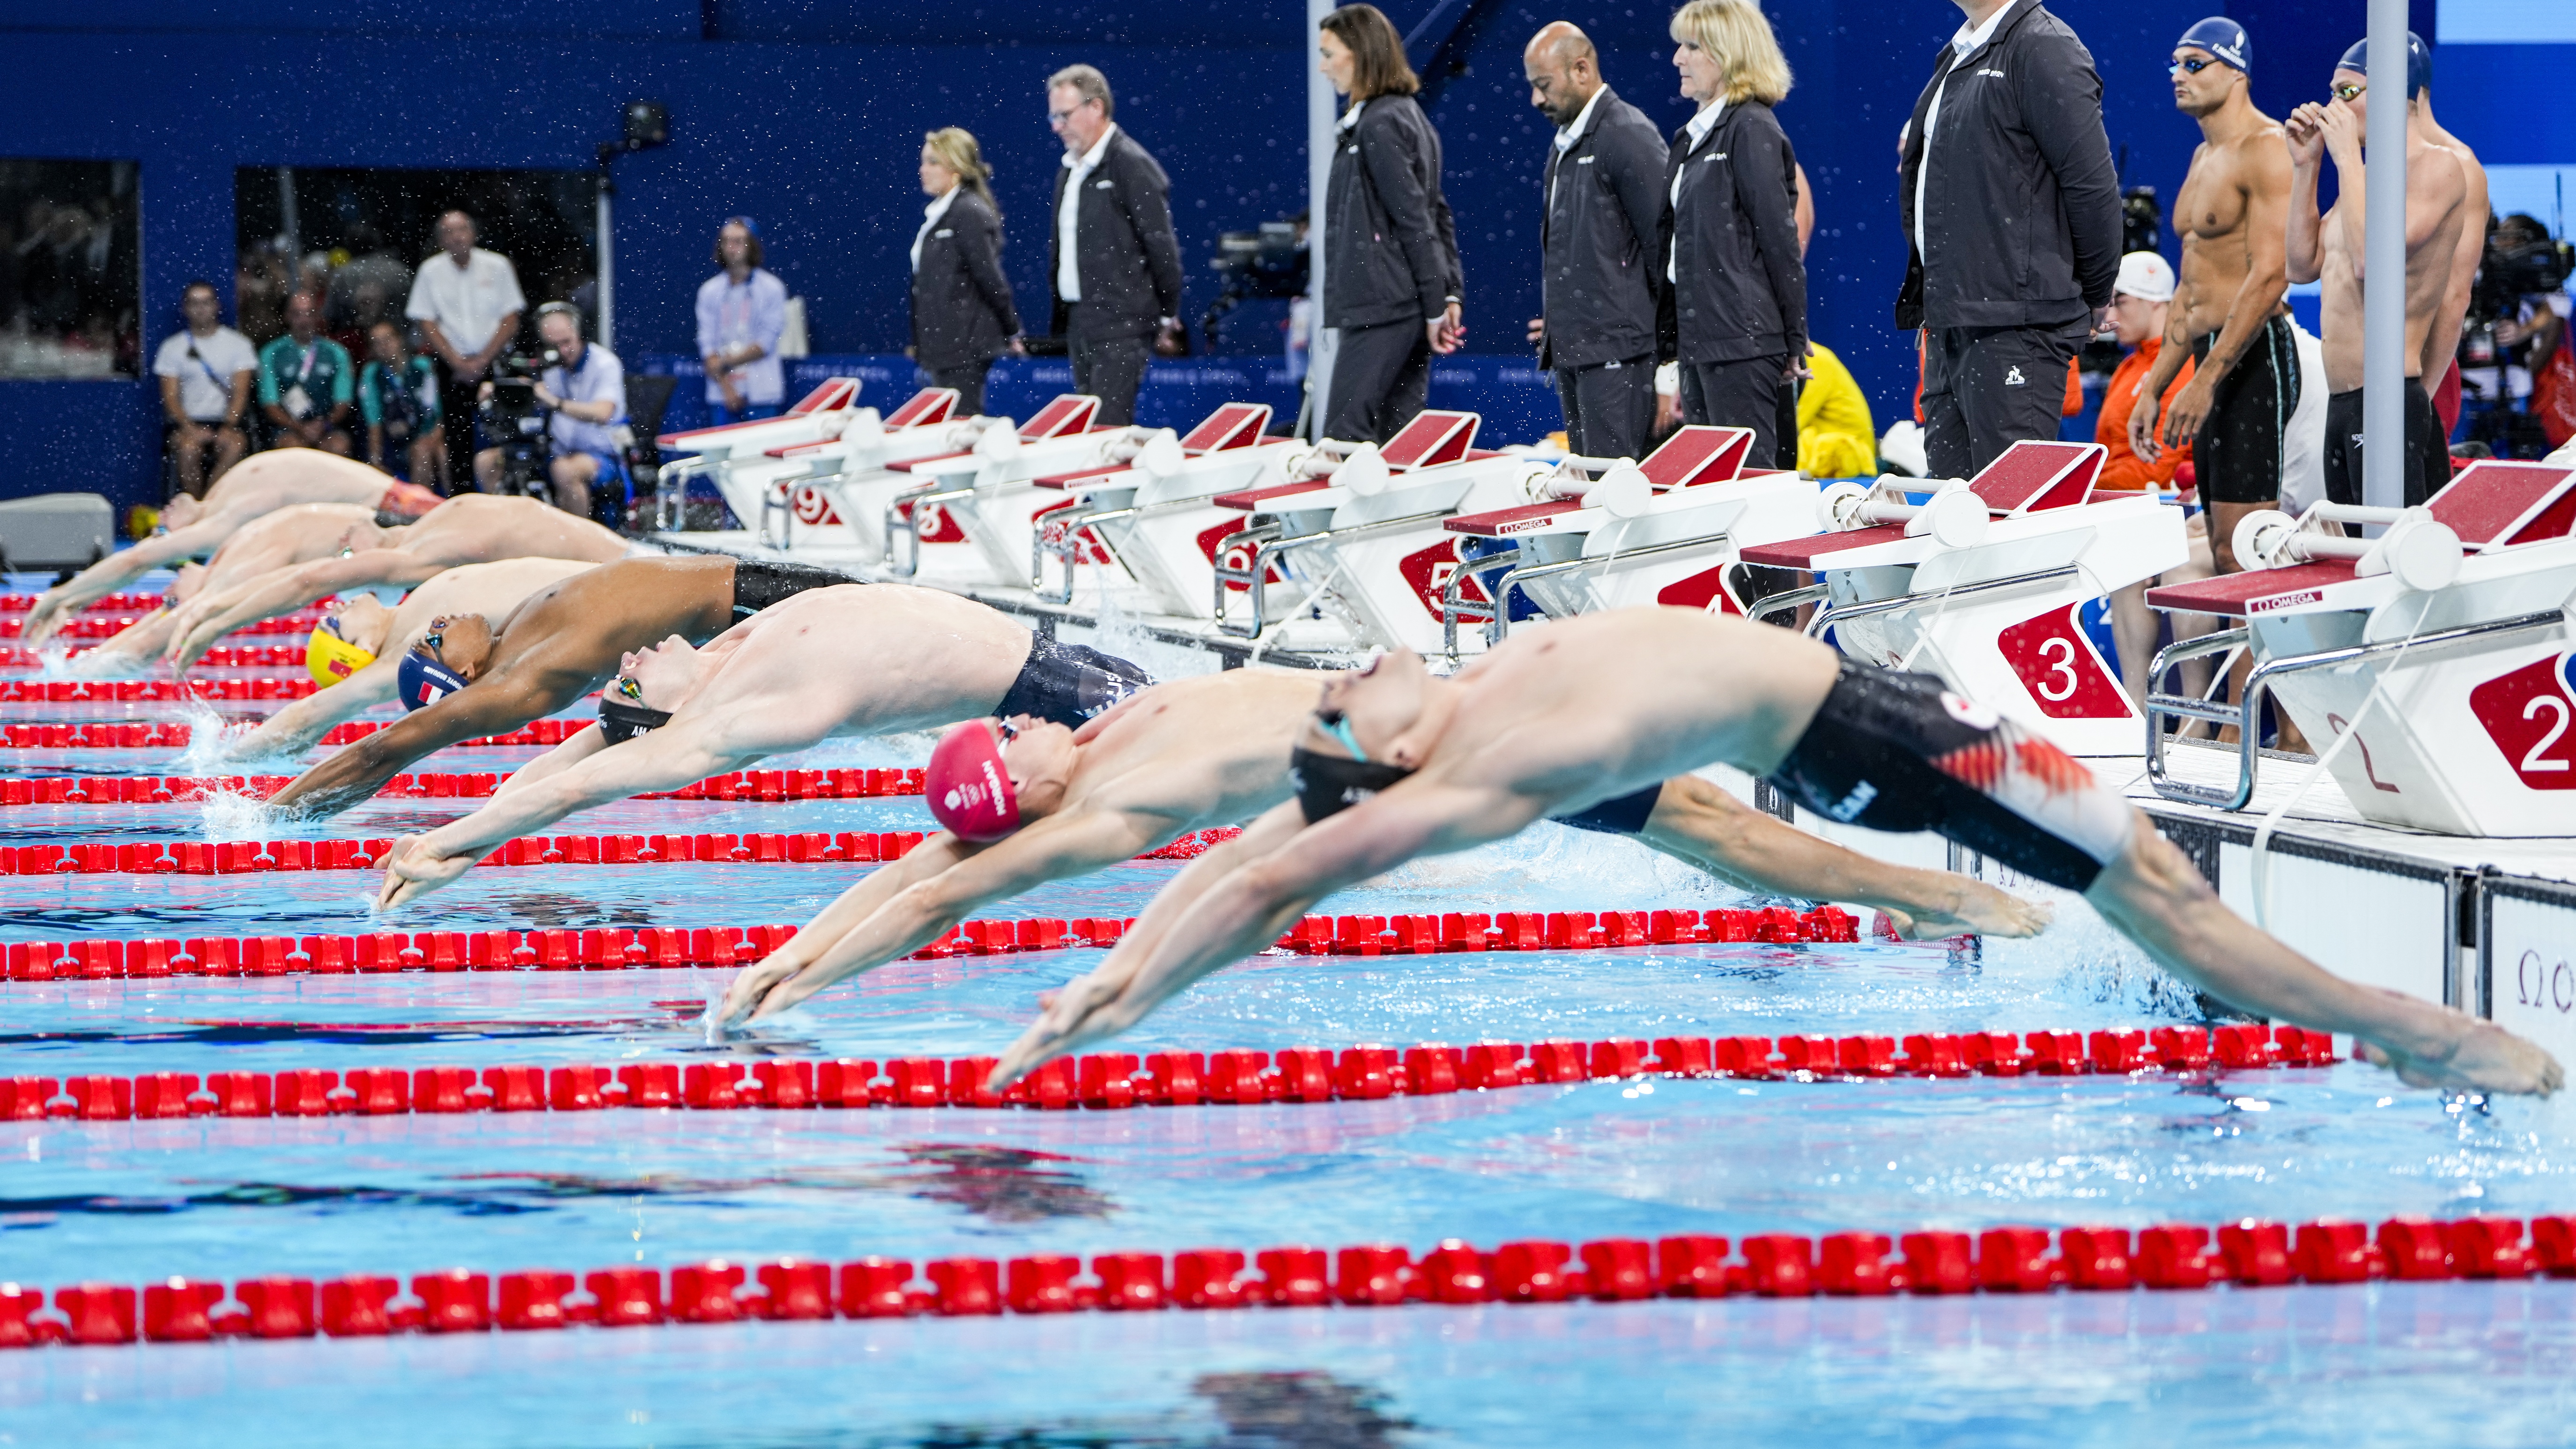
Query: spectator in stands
[[1835, 436], [373, 268], [2140, 303], [1114, 260], [467, 303], [587, 395], [305, 382], [2012, 208], [962, 312], [1391, 279], [261, 284], [1739, 285], [398, 398], [742, 311], [205, 372]]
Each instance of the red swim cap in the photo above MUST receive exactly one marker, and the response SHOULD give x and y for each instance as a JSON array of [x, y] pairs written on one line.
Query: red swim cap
[[969, 791]]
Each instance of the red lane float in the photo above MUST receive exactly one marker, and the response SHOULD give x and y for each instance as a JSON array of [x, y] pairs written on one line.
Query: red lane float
[[1115, 1081], [2001, 1260], [741, 786]]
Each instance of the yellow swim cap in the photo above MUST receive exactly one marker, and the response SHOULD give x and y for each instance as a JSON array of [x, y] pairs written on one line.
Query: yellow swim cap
[[330, 658]]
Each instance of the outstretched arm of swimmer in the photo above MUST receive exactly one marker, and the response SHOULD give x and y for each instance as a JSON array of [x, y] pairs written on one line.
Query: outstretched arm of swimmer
[[1697, 821], [683, 751], [846, 913], [2153, 894], [131, 651], [299, 726], [1254, 903], [493, 705], [117, 570], [283, 591], [930, 905], [585, 742]]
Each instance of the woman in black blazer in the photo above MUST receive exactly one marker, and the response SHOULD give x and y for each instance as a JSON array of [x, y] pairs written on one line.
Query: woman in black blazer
[[962, 317], [1391, 282], [1739, 288]]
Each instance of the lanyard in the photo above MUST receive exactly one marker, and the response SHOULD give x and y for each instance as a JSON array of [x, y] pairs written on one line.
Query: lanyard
[[306, 370]]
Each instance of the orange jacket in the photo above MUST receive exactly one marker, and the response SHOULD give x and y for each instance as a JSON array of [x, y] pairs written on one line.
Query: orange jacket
[[2125, 469]]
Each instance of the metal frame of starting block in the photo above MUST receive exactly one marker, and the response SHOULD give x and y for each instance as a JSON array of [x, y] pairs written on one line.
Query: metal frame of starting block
[[921, 501], [819, 414], [2443, 645], [1983, 582], [1154, 516], [1606, 547], [786, 483]]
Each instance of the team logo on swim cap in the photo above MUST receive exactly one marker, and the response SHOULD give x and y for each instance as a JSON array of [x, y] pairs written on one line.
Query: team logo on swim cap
[[969, 792]]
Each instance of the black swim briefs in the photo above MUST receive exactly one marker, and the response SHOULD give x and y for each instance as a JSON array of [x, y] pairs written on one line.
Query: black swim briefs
[[2237, 453], [1069, 683], [759, 583], [1625, 815], [1899, 752], [2344, 450]]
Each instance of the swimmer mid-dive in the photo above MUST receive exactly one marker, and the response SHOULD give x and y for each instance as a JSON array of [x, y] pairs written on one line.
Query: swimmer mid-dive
[[474, 529], [470, 676], [861, 659], [1398, 764], [192, 529], [356, 652], [288, 536], [1026, 802]]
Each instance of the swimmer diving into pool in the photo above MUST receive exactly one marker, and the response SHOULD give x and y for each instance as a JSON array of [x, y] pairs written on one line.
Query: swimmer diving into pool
[[469, 676], [478, 528], [190, 529], [1025, 802], [296, 534], [1397, 764], [858, 659]]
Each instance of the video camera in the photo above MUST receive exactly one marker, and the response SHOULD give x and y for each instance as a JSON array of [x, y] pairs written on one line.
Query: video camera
[[2515, 265], [515, 423], [1270, 262]]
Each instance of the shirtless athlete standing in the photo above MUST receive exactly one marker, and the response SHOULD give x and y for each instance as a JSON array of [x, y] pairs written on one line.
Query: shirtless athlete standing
[[1024, 802], [2330, 249], [2442, 344], [1397, 765], [2228, 313]]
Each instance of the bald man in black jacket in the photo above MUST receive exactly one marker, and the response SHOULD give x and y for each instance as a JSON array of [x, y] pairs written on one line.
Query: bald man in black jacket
[[1603, 199]]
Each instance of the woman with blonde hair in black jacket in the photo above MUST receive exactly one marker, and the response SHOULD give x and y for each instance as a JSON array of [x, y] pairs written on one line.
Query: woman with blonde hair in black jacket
[[962, 314]]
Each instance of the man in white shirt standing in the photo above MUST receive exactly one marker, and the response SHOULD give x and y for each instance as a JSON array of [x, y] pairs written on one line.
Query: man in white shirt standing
[[205, 375], [586, 393], [1112, 257], [742, 312], [467, 303]]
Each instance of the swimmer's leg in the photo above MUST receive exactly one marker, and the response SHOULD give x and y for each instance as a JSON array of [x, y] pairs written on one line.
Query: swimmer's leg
[[1697, 821], [2152, 893]]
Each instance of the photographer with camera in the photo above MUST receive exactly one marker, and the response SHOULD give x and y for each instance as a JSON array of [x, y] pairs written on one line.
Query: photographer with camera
[[2517, 323], [579, 393]]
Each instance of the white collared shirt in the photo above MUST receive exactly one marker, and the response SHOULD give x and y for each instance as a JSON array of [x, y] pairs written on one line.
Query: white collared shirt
[[1962, 45], [1068, 272], [930, 216], [1568, 136], [1692, 134]]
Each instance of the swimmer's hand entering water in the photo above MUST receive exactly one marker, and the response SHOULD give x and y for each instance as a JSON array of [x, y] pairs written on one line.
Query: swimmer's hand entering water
[[412, 872], [2482, 1057]]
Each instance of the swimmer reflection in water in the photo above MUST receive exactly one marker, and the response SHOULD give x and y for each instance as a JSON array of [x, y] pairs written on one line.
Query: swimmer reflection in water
[[1025, 802], [1589, 709]]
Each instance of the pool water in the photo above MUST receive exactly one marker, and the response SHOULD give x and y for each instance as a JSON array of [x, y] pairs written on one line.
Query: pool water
[[134, 1202]]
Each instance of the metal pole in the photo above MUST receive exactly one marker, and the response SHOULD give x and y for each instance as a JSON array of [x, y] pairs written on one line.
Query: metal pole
[[2383, 298], [607, 269], [1321, 343]]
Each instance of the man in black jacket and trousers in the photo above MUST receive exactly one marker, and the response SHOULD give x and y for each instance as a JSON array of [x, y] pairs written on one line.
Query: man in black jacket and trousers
[[2013, 208], [1603, 201], [1112, 261]]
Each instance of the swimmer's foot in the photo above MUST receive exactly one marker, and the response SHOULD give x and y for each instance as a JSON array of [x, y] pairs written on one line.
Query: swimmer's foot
[[2484, 1057], [1981, 910]]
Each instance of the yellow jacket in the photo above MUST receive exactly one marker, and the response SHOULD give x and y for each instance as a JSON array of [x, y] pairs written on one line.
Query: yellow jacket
[[1835, 439]]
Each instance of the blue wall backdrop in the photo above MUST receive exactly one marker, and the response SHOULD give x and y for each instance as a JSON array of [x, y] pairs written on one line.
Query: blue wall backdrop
[[807, 116]]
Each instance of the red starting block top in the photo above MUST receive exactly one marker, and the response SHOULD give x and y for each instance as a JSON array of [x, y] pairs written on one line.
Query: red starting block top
[[1802, 553], [2498, 504], [1235, 425], [1252, 498], [2032, 476], [1067, 480], [1698, 454], [1504, 522], [930, 405], [1432, 438], [835, 394], [2253, 591], [1070, 413]]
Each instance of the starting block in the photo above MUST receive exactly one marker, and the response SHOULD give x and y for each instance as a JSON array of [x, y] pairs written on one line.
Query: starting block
[[955, 497], [789, 484], [2443, 644], [1982, 584], [716, 452], [1155, 515]]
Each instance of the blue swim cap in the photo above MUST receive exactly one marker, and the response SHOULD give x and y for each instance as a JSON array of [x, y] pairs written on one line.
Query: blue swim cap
[[2419, 62], [425, 681], [2223, 38]]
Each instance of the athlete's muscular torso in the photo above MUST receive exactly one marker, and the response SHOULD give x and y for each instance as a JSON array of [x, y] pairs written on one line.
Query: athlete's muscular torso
[[1206, 751], [2211, 215], [2428, 275]]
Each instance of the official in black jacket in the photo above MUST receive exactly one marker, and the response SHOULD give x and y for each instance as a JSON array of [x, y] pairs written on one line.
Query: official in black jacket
[[2014, 220], [1602, 200], [1738, 284], [1111, 257], [962, 315], [1391, 282]]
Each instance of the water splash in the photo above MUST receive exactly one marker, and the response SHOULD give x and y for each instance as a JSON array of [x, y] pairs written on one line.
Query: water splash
[[230, 815]]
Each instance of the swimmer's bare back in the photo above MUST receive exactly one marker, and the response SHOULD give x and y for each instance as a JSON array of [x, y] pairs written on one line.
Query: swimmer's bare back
[[556, 646]]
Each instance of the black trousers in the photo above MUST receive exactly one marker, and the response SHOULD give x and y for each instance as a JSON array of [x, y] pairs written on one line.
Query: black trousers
[[1743, 394], [968, 379], [1987, 388], [457, 405], [1609, 408], [1381, 378], [1110, 369]]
